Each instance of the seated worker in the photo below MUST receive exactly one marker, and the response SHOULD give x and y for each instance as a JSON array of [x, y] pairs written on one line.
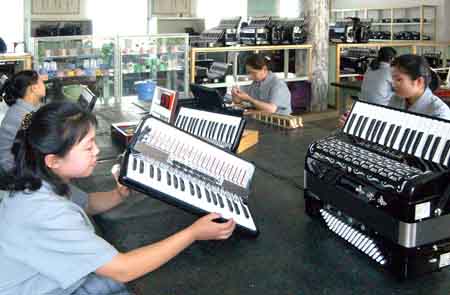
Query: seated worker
[[411, 76], [377, 83], [23, 93], [47, 243], [267, 93]]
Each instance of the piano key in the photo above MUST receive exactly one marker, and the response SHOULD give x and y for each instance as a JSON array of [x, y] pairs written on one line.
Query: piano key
[[443, 131], [427, 146], [389, 134], [395, 137], [175, 181], [370, 129], [445, 153], [375, 130], [403, 139], [191, 188], [349, 125], [434, 147], [363, 126], [178, 121], [381, 132], [357, 126], [220, 199], [409, 144], [416, 151]]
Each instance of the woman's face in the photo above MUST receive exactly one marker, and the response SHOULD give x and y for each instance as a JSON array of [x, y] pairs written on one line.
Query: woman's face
[[404, 86], [256, 75], [81, 159], [39, 88]]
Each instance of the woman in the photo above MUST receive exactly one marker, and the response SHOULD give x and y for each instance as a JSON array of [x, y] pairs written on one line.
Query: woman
[[47, 243], [267, 93], [377, 83], [411, 76], [23, 93]]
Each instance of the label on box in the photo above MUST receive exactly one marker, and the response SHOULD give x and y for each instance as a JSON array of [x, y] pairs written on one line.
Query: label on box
[[444, 260], [423, 210]]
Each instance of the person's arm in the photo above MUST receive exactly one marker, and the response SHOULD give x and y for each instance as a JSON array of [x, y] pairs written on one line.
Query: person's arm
[[100, 202], [129, 266], [239, 95]]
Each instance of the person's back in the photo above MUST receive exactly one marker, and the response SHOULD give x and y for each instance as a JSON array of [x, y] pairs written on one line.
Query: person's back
[[23, 93], [377, 85]]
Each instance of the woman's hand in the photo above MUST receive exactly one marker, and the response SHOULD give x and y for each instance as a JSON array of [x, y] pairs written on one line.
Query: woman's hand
[[343, 119], [239, 95], [121, 190], [206, 228]]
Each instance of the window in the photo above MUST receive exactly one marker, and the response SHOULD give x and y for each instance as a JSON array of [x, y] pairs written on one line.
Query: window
[[110, 18], [289, 8], [214, 10], [11, 23]]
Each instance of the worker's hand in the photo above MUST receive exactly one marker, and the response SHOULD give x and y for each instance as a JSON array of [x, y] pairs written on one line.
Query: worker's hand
[[206, 228], [239, 95], [343, 119], [120, 189]]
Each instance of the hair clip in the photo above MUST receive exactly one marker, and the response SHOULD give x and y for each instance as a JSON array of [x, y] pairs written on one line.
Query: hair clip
[[26, 122]]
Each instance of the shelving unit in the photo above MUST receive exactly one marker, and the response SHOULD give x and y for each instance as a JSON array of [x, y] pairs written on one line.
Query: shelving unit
[[301, 72], [393, 20], [77, 60], [162, 58], [11, 63]]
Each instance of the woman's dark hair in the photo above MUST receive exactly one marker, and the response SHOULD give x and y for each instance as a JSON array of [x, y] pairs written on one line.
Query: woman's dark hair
[[415, 66], [16, 86], [257, 61], [385, 54], [53, 129]]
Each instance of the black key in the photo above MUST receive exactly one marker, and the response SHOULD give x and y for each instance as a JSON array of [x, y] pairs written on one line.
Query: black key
[[245, 211], [178, 121], [134, 164], [410, 141], [152, 171], [216, 124], [375, 131], [141, 167], [403, 140], [222, 134], [350, 123], [370, 129], [208, 197], [388, 135], [213, 127], [199, 192], [416, 143], [191, 187], [221, 128], [169, 179], [358, 124], [191, 125], [185, 121], [208, 129], [427, 145], [236, 207], [202, 130], [380, 133], [363, 126], [229, 205], [199, 129], [228, 134], [182, 184], [219, 197], [231, 139], [196, 123], [444, 152], [395, 135], [158, 174], [175, 181], [214, 199], [437, 140]]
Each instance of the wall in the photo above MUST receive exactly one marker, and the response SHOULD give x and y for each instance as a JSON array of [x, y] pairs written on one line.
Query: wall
[[443, 22], [263, 8]]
